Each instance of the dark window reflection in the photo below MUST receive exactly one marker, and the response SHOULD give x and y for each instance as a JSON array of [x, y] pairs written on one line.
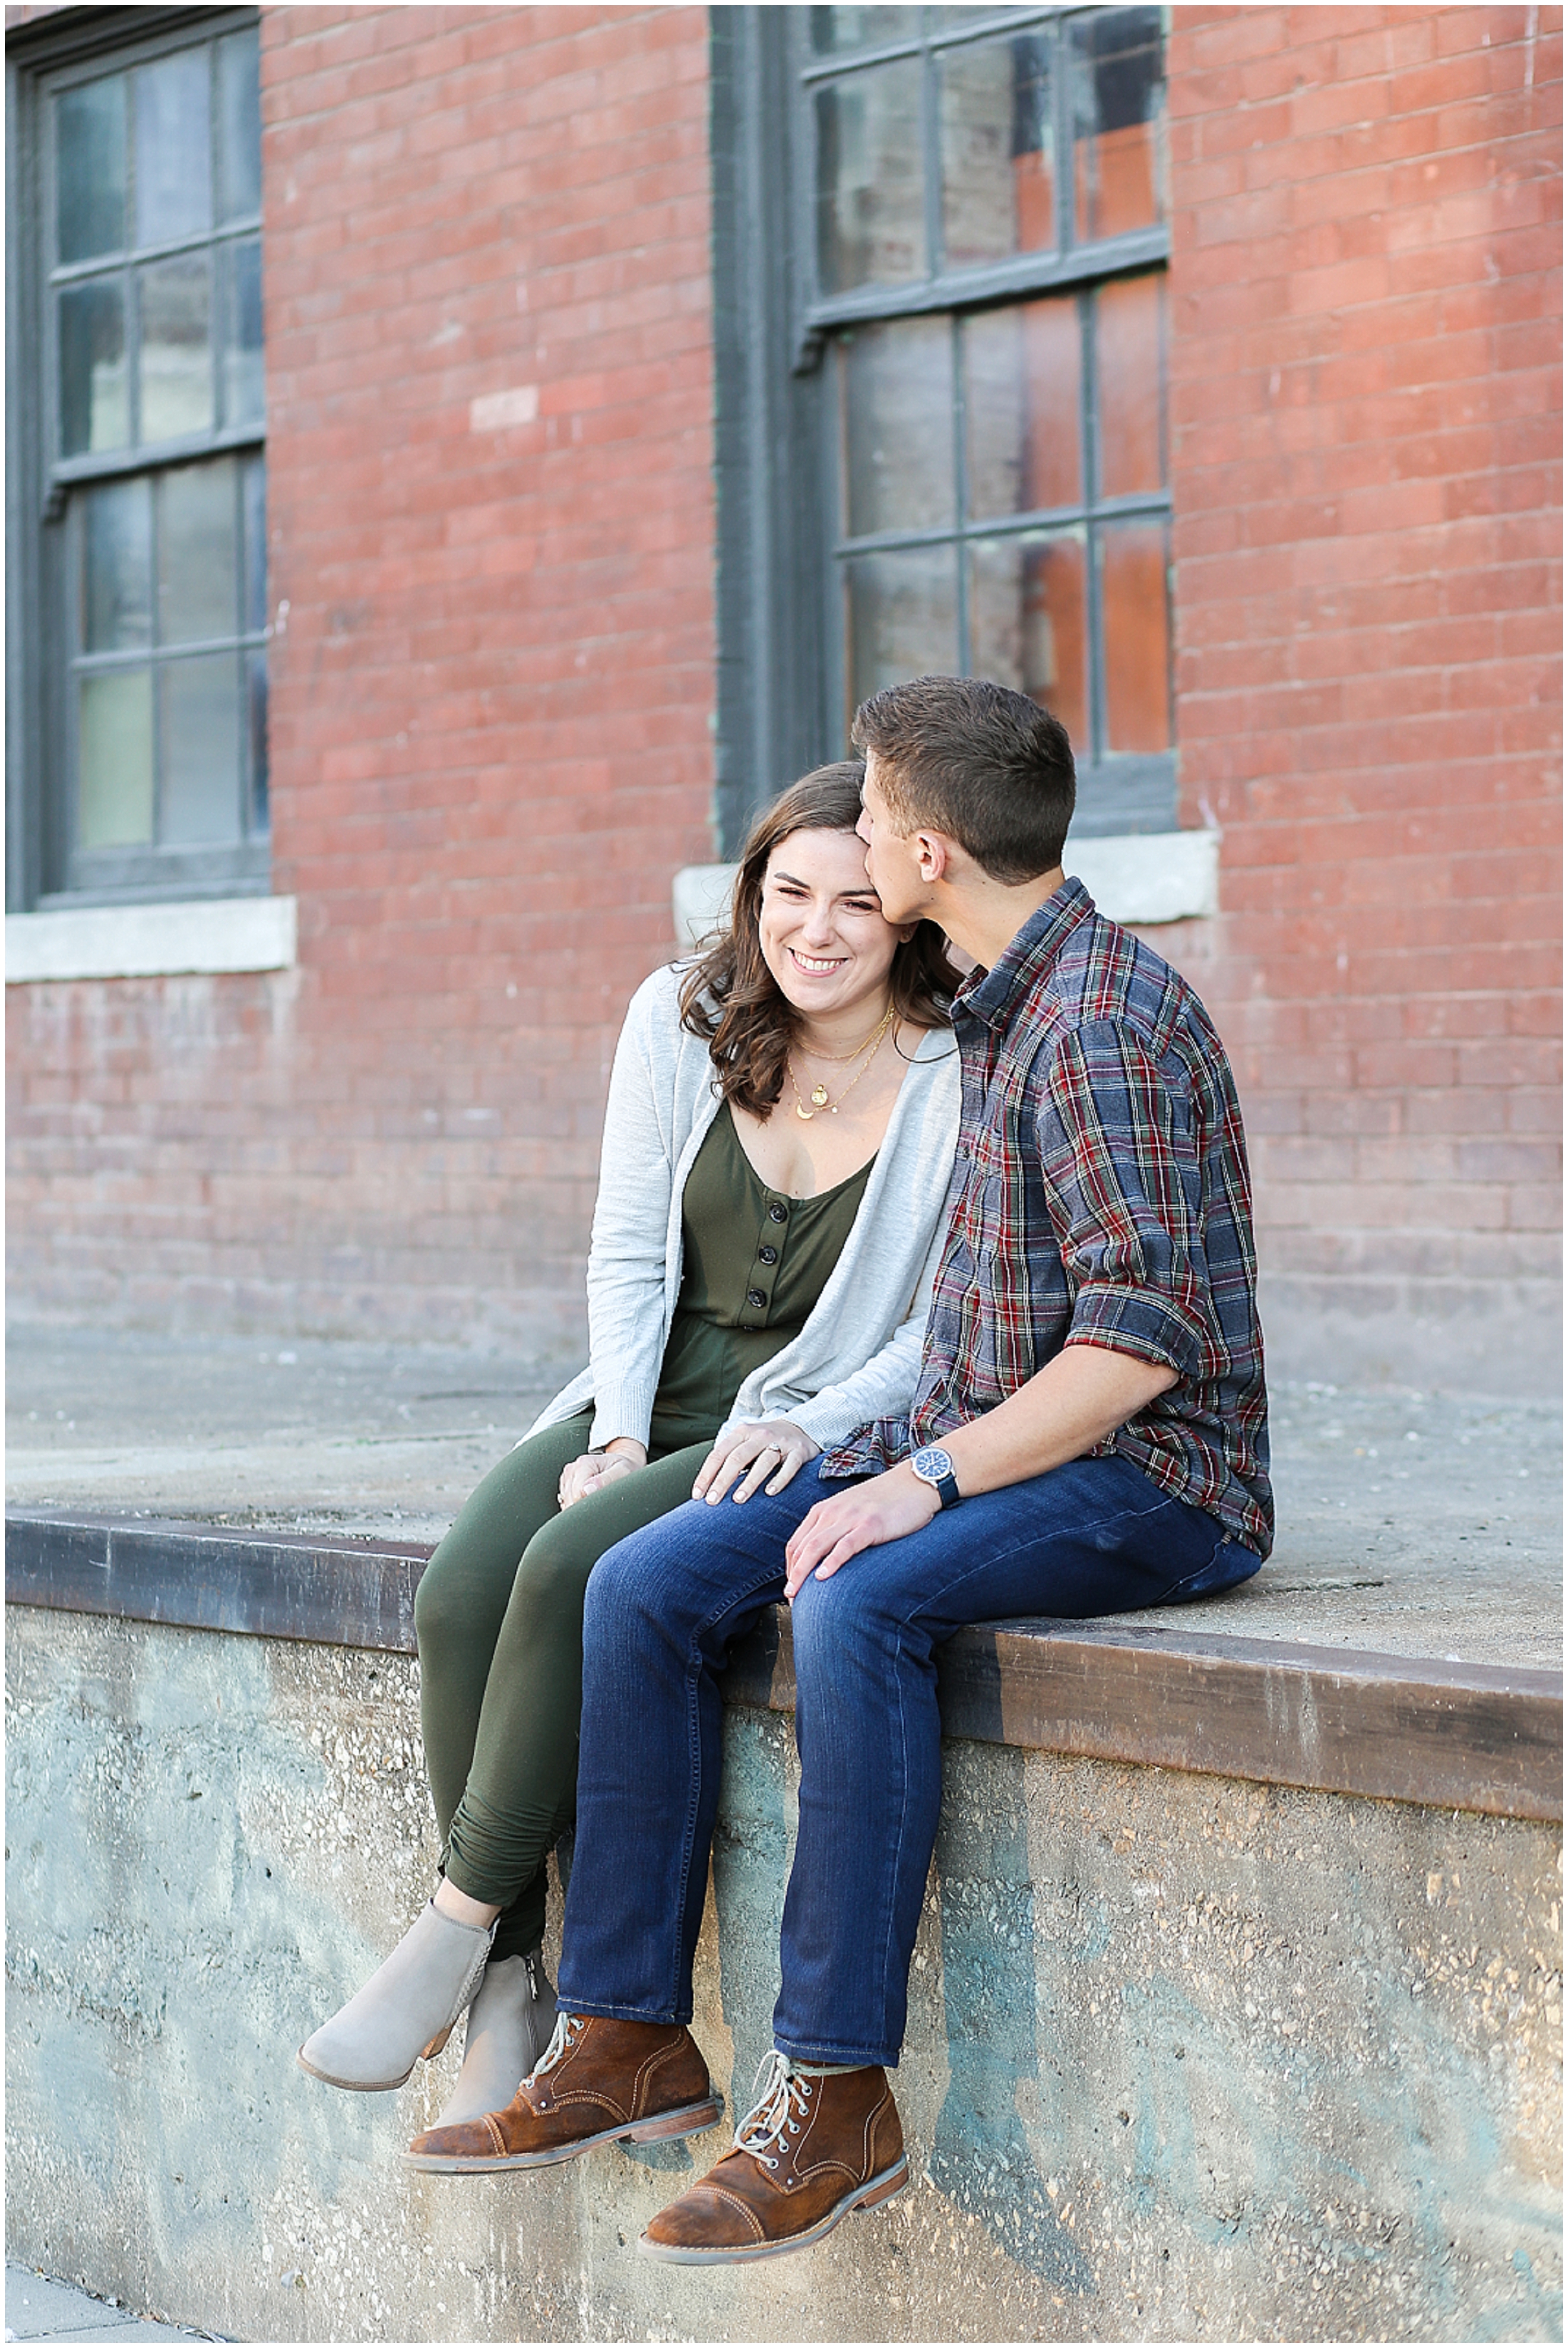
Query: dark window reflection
[[95, 385], [1118, 99], [89, 169]]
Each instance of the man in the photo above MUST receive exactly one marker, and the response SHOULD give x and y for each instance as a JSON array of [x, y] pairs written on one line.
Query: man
[[1089, 1435]]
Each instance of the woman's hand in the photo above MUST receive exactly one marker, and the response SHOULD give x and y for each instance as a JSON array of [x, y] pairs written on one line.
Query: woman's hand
[[594, 1472], [760, 1451]]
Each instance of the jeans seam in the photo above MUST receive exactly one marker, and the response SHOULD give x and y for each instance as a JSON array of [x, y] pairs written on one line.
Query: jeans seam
[[694, 1753]]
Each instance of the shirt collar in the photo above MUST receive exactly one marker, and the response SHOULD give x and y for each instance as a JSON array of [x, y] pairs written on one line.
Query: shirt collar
[[993, 994]]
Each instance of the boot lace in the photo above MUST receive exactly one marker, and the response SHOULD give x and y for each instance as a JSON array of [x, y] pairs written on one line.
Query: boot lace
[[562, 2040], [776, 2111]]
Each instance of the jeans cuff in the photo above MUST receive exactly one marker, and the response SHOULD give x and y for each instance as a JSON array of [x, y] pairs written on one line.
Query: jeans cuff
[[568, 2002], [821, 2050]]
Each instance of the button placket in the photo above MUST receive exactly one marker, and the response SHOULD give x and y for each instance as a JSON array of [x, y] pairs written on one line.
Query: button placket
[[765, 1264]]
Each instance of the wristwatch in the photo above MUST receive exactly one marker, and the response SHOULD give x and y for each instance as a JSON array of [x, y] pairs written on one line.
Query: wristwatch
[[934, 1466]]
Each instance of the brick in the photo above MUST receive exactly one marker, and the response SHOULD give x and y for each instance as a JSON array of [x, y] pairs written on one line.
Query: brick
[[501, 649]]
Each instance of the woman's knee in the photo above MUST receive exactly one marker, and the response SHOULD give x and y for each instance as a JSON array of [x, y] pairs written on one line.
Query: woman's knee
[[443, 1606], [552, 1573]]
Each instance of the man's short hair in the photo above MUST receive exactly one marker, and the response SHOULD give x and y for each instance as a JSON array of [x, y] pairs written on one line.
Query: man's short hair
[[989, 767]]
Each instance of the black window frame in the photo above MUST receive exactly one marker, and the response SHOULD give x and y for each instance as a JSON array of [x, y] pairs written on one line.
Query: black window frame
[[41, 551], [780, 684]]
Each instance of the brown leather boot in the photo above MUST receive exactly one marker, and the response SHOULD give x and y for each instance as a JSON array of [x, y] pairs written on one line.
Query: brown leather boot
[[597, 2082], [808, 2153]]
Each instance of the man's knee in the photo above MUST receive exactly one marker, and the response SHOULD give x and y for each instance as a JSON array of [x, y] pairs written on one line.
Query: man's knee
[[619, 1585], [837, 1620]]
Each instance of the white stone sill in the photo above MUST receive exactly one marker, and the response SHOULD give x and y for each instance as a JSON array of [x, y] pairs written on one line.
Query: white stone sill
[[199, 933], [1141, 878]]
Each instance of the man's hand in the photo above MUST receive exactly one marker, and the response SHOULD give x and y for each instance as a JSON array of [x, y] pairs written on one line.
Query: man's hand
[[884, 1508], [771, 1451], [1080, 1396]]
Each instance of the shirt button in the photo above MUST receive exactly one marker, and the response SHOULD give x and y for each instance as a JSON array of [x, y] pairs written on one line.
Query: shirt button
[[778, 1212], [766, 1255], [756, 1299]]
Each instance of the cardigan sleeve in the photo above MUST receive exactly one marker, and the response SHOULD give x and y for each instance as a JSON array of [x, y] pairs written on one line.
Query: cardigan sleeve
[[626, 1266]]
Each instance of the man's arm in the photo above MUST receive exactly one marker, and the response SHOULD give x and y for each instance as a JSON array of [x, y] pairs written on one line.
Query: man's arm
[[1087, 1392]]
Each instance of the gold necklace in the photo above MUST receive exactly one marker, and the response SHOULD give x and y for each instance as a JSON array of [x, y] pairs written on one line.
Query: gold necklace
[[878, 1032], [820, 1099]]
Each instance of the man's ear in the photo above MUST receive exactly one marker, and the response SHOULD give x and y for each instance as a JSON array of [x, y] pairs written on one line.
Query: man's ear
[[934, 854]]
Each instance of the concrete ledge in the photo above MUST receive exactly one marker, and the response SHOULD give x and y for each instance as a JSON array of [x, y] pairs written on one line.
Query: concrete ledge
[[202, 933], [1144, 877], [1464, 1736]]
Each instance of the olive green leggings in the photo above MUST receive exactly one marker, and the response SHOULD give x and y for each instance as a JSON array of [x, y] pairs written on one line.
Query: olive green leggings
[[499, 1613]]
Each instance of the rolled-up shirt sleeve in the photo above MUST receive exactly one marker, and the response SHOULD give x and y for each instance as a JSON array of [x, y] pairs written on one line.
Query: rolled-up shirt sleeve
[[1123, 1180]]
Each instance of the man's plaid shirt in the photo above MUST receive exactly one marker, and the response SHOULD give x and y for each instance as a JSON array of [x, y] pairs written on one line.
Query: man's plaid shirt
[[1099, 1197]]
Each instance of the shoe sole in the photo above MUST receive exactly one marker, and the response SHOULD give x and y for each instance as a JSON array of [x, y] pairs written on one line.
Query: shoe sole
[[689, 2120], [866, 2196], [377, 2086]]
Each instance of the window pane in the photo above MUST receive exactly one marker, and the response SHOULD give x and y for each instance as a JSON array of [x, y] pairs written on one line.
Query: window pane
[[116, 567], [200, 713], [254, 616], [89, 169], [902, 614], [94, 410], [998, 165], [896, 389], [871, 181], [1119, 95], [835, 29], [173, 148], [197, 570], [242, 392], [114, 751], [239, 128], [256, 722], [176, 348], [1027, 625], [1136, 624], [1021, 407], [1128, 318]]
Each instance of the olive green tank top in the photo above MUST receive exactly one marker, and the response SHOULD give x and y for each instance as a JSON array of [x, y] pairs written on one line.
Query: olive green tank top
[[754, 1262]]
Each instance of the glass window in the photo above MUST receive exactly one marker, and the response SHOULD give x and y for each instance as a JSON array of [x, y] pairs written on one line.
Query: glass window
[[150, 276], [989, 192], [961, 434]]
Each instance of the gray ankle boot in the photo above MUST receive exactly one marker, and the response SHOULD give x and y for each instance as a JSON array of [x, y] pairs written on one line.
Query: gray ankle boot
[[510, 2022], [406, 2009]]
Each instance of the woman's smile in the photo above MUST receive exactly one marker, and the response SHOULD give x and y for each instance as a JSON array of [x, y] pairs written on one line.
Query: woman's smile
[[820, 926]]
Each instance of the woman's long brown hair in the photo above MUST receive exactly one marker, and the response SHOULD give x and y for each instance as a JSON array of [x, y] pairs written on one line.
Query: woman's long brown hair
[[730, 996]]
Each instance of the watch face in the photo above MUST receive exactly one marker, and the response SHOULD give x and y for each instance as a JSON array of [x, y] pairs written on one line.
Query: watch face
[[932, 1464]]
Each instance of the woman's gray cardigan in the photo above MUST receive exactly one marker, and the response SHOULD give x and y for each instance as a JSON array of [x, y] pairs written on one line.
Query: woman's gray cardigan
[[858, 1356]]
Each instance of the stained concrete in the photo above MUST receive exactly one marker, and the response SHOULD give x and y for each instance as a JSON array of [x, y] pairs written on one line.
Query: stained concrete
[[1188, 2059], [1409, 1523], [39, 2308]]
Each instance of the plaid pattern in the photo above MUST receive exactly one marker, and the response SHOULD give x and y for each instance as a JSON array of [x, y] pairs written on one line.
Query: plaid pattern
[[1099, 1197]]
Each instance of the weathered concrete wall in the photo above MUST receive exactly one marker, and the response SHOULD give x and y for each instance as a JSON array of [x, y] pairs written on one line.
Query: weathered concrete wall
[[1189, 2058]]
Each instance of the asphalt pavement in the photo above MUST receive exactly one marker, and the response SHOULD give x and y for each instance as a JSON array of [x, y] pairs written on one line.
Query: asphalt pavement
[[1411, 1523]]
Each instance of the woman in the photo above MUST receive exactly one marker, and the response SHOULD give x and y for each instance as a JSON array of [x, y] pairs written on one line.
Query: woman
[[778, 1142]]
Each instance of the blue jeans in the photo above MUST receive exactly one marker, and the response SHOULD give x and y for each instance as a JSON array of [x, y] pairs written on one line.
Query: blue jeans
[[1095, 1537]]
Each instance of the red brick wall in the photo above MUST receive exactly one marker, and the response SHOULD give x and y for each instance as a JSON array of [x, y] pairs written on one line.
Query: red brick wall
[[492, 679], [1365, 403]]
